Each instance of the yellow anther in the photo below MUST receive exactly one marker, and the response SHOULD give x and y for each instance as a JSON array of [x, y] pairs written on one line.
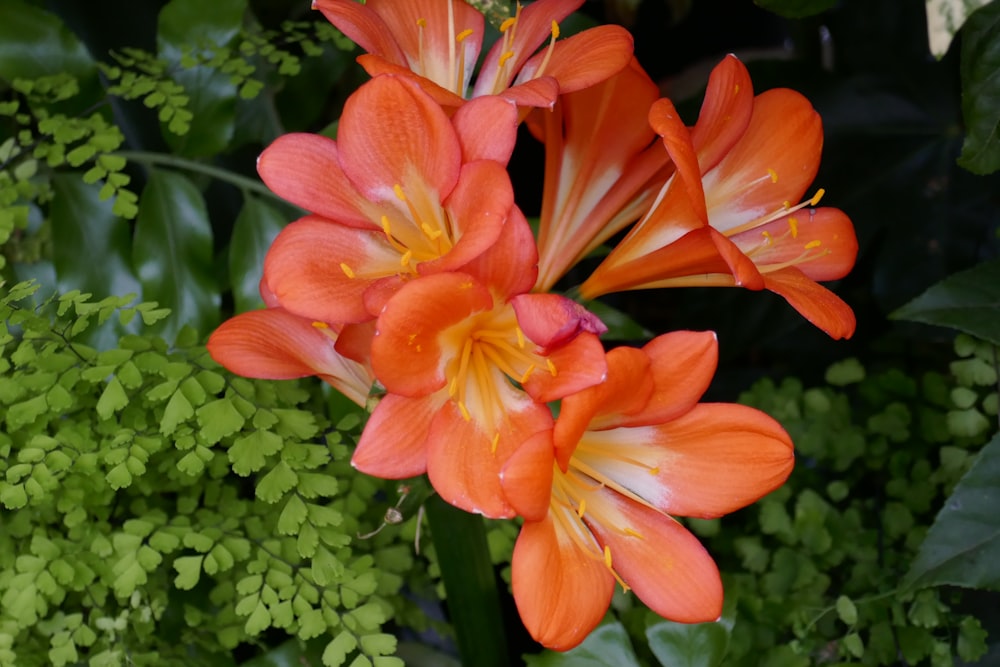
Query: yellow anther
[[453, 387], [607, 556], [582, 508], [422, 23], [464, 411], [520, 337], [460, 37], [813, 244], [527, 374], [767, 236], [793, 225], [787, 204], [552, 367], [321, 325], [816, 197], [386, 228], [505, 26], [736, 89], [347, 270], [505, 57], [655, 470], [409, 339], [634, 533], [404, 260], [555, 30], [773, 174], [399, 192], [496, 441], [432, 234]]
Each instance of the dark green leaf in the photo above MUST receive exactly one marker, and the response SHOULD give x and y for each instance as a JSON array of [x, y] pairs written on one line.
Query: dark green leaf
[[473, 599], [187, 24], [34, 43], [172, 253], [963, 545], [968, 301], [606, 645], [253, 232], [90, 245], [980, 70], [795, 9], [290, 654], [688, 645]]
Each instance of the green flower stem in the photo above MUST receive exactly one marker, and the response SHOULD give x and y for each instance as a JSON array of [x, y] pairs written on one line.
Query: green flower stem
[[168, 160], [473, 600]]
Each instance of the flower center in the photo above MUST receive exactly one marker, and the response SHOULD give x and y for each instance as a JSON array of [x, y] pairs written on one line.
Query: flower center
[[505, 67], [453, 75]]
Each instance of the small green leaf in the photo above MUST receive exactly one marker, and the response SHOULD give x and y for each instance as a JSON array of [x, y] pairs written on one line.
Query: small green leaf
[[178, 410], [188, 571], [276, 483], [249, 453], [218, 419], [336, 651], [113, 399], [606, 645], [854, 645], [292, 516], [846, 610]]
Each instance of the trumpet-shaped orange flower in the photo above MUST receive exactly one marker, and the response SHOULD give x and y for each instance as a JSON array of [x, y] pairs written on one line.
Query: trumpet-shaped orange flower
[[631, 453], [405, 191], [728, 216], [438, 43], [603, 164], [274, 344], [469, 360]]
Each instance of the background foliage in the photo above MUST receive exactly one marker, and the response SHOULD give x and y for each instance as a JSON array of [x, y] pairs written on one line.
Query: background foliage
[[157, 510]]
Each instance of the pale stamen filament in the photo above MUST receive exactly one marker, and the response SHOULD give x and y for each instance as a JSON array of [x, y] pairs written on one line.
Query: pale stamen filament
[[460, 78], [786, 209], [421, 26], [548, 51]]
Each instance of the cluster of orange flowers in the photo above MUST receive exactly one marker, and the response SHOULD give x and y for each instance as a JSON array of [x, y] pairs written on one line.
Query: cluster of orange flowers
[[416, 274]]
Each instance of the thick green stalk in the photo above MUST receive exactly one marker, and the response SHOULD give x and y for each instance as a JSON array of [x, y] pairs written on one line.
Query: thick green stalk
[[473, 599]]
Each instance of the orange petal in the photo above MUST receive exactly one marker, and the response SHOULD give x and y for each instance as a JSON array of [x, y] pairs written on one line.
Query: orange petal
[[583, 60], [305, 170], [526, 478], [364, 26], [575, 366], [813, 301], [562, 592], [320, 269], [551, 320], [393, 444], [774, 161], [819, 242], [625, 391], [466, 456], [725, 112], [410, 351], [377, 66], [682, 366], [477, 207], [665, 120], [510, 265], [392, 133], [667, 568], [274, 344], [487, 129]]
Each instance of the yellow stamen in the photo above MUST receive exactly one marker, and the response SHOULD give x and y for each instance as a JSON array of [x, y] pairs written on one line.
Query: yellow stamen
[[654, 471], [460, 37], [582, 508], [633, 533], [736, 89], [465, 411], [773, 174], [507, 55], [816, 197], [767, 237], [405, 258], [399, 192], [787, 204], [527, 374], [555, 30], [432, 234], [505, 26], [793, 225], [422, 23], [321, 325], [552, 367], [607, 556], [496, 441], [520, 337], [347, 270], [813, 244]]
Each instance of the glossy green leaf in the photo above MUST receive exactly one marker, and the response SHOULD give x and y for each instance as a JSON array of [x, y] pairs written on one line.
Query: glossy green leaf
[[968, 301], [90, 245], [795, 9], [254, 230], [35, 43], [962, 547], [620, 326], [186, 25], [606, 645], [688, 645], [172, 252], [980, 70], [473, 599]]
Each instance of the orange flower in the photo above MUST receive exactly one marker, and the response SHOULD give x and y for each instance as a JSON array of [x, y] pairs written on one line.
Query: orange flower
[[603, 165], [469, 360], [727, 216], [437, 42], [405, 191], [630, 453]]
